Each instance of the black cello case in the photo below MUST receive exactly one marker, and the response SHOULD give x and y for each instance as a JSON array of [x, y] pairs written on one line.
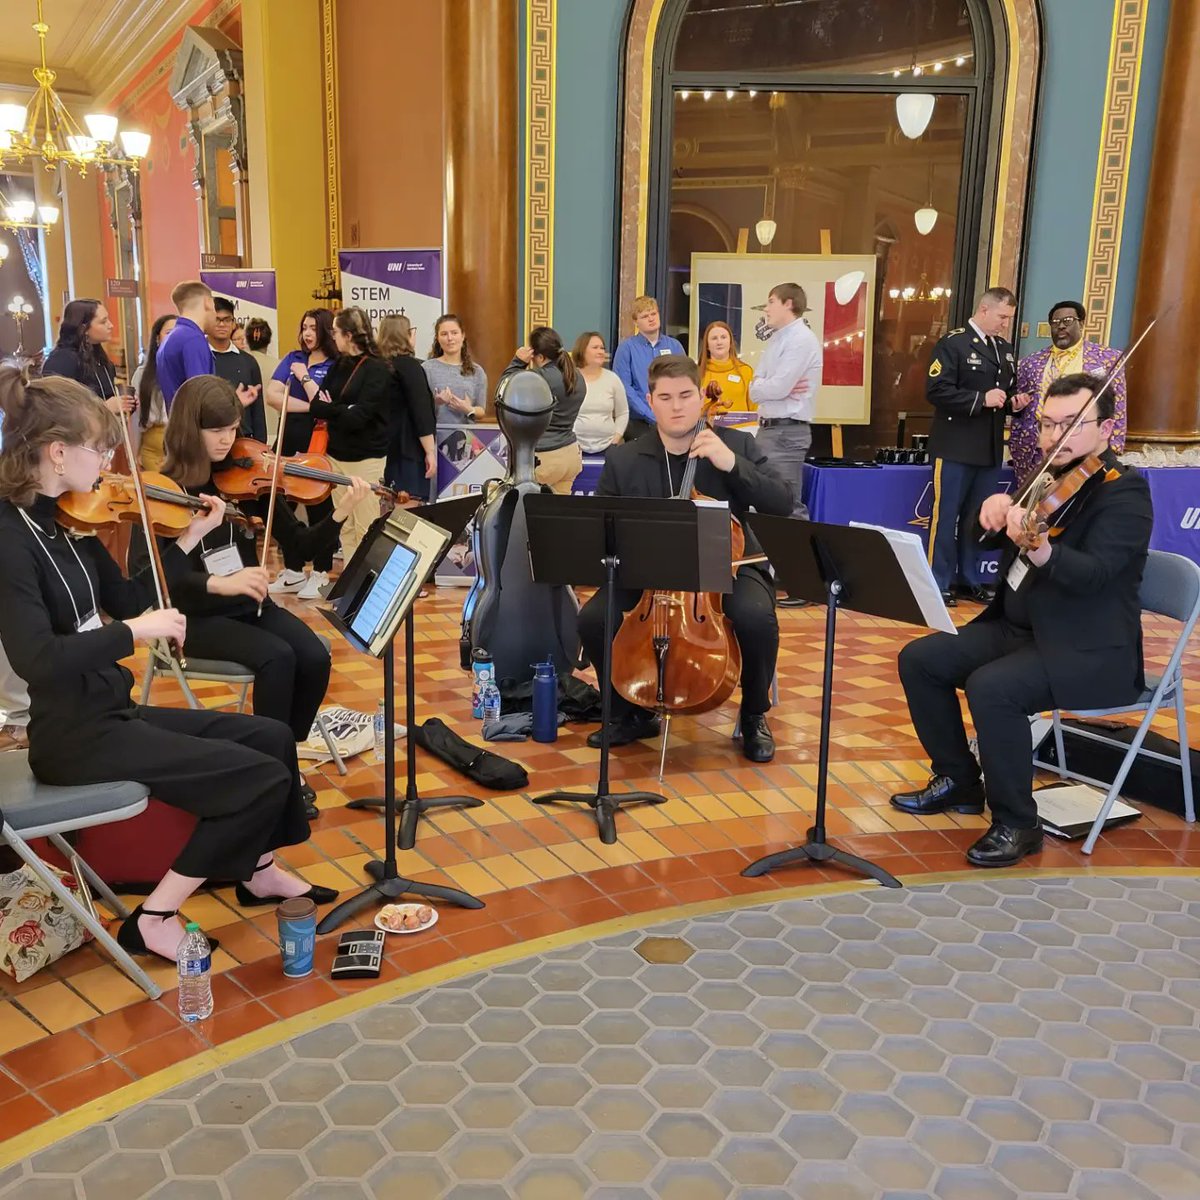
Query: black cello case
[[519, 622]]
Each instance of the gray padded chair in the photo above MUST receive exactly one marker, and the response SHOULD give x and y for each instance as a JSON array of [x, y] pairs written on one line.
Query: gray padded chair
[[29, 810], [1170, 588], [233, 675]]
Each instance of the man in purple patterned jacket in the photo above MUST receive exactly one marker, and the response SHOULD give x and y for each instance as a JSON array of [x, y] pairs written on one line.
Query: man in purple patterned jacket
[[1069, 353]]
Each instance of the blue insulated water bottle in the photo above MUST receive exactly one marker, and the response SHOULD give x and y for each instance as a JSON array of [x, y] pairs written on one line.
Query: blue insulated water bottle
[[484, 672], [545, 702]]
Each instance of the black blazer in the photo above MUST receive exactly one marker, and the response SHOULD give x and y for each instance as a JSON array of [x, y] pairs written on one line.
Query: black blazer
[[101, 379], [639, 468], [962, 370], [359, 411], [1083, 604], [412, 415]]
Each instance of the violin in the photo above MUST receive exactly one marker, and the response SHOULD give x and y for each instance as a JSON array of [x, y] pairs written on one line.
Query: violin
[[1049, 497], [676, 652], [114, 499], [304, 478]]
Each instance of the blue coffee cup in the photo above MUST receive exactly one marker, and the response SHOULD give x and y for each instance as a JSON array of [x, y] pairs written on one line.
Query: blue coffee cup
[[297, 936]]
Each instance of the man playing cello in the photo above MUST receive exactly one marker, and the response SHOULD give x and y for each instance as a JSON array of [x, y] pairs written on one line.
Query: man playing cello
[[730, 467], [1064, 631]]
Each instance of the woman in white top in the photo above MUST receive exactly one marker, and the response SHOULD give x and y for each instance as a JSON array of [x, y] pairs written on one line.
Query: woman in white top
[[605, 411]]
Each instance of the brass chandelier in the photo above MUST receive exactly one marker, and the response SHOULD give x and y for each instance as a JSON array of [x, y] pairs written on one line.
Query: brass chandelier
[[45, 129]]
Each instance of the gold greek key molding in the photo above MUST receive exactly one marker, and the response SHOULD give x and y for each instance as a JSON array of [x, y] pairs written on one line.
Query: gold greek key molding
[[541, 19], [329, 83], [1112, 165]]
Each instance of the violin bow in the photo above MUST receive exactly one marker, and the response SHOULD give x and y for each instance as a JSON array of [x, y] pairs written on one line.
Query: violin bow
[[161, 591], [276, 475]]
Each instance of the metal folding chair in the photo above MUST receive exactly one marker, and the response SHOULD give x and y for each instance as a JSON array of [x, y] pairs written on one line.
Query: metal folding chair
[[1170, 588]]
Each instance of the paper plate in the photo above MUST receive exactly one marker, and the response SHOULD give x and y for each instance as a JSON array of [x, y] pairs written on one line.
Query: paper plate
[[408, 908]]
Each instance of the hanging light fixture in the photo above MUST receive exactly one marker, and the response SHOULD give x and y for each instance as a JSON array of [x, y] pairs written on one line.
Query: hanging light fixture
[[45, 129], [845, 287], [765, 231], [926, 218], [25, 214], [914, 111]]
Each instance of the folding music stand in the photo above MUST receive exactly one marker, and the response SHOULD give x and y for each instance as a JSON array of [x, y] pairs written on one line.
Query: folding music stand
[[840, 566], [371, 583], [620, 542]]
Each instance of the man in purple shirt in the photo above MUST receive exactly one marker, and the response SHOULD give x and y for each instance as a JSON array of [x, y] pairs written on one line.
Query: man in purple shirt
[[186, 351]]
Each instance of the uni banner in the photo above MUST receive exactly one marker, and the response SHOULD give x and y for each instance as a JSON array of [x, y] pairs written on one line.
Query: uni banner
[[408, 282], [252, 293]]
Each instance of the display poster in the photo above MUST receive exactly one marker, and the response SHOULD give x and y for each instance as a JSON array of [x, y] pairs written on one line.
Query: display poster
[[734, 288], [252, 293], [408, 282]]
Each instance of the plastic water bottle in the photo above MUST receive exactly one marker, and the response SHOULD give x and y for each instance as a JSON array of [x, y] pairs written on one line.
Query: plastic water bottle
[[545, 701], [194, 960], [380, 725], [491, 701], [482, 670]]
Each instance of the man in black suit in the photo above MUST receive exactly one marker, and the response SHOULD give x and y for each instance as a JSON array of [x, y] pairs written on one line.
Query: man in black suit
[[1063, 631], [971, 382], [730, 467]]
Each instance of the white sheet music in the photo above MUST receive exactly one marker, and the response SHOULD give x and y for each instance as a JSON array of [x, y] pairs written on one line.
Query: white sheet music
[[910, 554]]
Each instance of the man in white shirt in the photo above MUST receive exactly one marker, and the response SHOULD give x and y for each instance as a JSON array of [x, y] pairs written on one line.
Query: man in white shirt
[[784, 388]]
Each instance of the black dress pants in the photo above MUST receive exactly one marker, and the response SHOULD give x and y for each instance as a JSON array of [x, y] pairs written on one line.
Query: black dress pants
[[236, 773], [290, 665], [1001, 671], [751, 609], [293, 558]]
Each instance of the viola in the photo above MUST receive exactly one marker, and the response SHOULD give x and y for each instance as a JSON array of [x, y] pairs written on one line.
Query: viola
[[114, 499], [676, 652], [1049, 497], [303, 478]]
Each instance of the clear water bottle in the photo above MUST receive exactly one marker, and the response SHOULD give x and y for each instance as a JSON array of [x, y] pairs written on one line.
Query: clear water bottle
[[491, 701], [380, 724], [194, 960]]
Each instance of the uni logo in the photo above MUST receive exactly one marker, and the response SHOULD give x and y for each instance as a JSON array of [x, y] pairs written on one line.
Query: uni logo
[[1190, 518], [923, 509]]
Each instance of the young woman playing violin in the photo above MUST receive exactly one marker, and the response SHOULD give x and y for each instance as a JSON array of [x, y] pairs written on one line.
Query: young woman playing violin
[[223, 591], [236, 774]]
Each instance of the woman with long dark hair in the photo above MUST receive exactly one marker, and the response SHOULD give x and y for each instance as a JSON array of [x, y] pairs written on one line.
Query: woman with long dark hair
[[152, 411], [412, 455], [80, 354], [558, 455]]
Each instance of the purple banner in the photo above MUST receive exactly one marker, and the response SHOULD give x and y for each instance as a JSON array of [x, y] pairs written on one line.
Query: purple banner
[[1175, 492], [418, 271], [242, 286]]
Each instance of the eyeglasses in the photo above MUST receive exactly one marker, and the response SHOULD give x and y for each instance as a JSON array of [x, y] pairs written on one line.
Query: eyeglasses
[[105, 456], [1049, 426], [1063, 322]]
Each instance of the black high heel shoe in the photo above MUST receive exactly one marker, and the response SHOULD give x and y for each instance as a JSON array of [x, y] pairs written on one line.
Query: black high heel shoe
[[129, 936], [247, 899]]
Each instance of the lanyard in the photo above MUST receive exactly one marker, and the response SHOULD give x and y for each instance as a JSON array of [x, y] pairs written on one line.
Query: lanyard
[[40, 538]]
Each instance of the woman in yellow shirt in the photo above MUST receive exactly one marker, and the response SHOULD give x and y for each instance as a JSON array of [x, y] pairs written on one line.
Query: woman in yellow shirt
[[719, 360]]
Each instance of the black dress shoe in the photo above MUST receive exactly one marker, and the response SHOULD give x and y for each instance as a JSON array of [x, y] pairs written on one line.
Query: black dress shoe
[[793, 602], [1005, 847], [309, 796], [949, 600], [941, 794], [757, 743], [978, 595], [632, 726]]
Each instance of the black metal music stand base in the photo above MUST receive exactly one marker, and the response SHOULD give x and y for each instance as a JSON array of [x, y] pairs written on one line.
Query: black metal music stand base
[[813, 851], [388, 888], [605, 804], [412, 809]]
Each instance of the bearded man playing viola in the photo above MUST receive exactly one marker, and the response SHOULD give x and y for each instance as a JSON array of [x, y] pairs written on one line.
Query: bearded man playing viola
[[1064, 631]]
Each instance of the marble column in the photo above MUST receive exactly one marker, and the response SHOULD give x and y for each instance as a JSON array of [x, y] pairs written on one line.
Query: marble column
[[1164, 375], [482, 184]]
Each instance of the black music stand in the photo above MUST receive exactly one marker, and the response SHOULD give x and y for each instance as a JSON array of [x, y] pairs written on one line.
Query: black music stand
[[346, 597], [840, 566], [619, 542], [452, 516]]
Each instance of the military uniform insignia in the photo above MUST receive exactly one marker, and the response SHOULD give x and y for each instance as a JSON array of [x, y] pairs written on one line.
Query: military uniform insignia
[[935, 368]]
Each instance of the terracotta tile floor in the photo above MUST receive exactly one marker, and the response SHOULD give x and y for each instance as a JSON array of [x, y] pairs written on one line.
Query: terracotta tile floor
[[79, 1030]]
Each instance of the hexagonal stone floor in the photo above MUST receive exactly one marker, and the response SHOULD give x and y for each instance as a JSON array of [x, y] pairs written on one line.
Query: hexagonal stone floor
[[977, 1040]]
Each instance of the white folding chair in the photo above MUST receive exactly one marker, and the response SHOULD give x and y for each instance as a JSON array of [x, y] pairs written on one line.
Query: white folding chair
[[1170, 588], [233, 675], [30, 810]]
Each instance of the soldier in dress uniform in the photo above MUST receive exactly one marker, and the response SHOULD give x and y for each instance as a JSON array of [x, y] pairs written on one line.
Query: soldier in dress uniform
[[971, 386]]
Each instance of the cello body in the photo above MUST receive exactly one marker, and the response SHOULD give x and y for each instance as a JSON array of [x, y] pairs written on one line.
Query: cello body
[[518, 621]]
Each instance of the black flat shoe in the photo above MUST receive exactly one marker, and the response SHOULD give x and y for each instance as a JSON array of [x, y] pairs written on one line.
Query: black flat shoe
[[309, 796], [632, 727], [941, 794], [1005, 847], [247, 899], [757, 743], [130, 939]]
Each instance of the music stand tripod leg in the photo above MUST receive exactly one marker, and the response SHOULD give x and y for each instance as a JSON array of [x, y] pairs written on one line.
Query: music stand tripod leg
[[605, 803]]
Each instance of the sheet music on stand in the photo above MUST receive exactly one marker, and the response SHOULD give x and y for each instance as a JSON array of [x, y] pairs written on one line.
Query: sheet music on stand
[[910, 554]]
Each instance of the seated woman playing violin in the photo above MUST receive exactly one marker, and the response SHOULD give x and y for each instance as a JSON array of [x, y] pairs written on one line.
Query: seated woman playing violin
[[223, 593], [236, 774], [1064, 630], [729, 467]]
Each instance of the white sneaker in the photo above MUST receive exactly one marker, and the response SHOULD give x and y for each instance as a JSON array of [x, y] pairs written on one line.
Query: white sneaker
[[287, 581], [312, 587]]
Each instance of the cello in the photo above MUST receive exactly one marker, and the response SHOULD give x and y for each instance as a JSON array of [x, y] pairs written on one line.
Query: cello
[[676, 652]]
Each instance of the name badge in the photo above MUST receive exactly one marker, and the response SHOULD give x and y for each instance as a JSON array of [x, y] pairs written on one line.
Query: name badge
[[90, 622], [973, 360], [662, 352], [734, 378], [1016, 573], [224, 561]]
